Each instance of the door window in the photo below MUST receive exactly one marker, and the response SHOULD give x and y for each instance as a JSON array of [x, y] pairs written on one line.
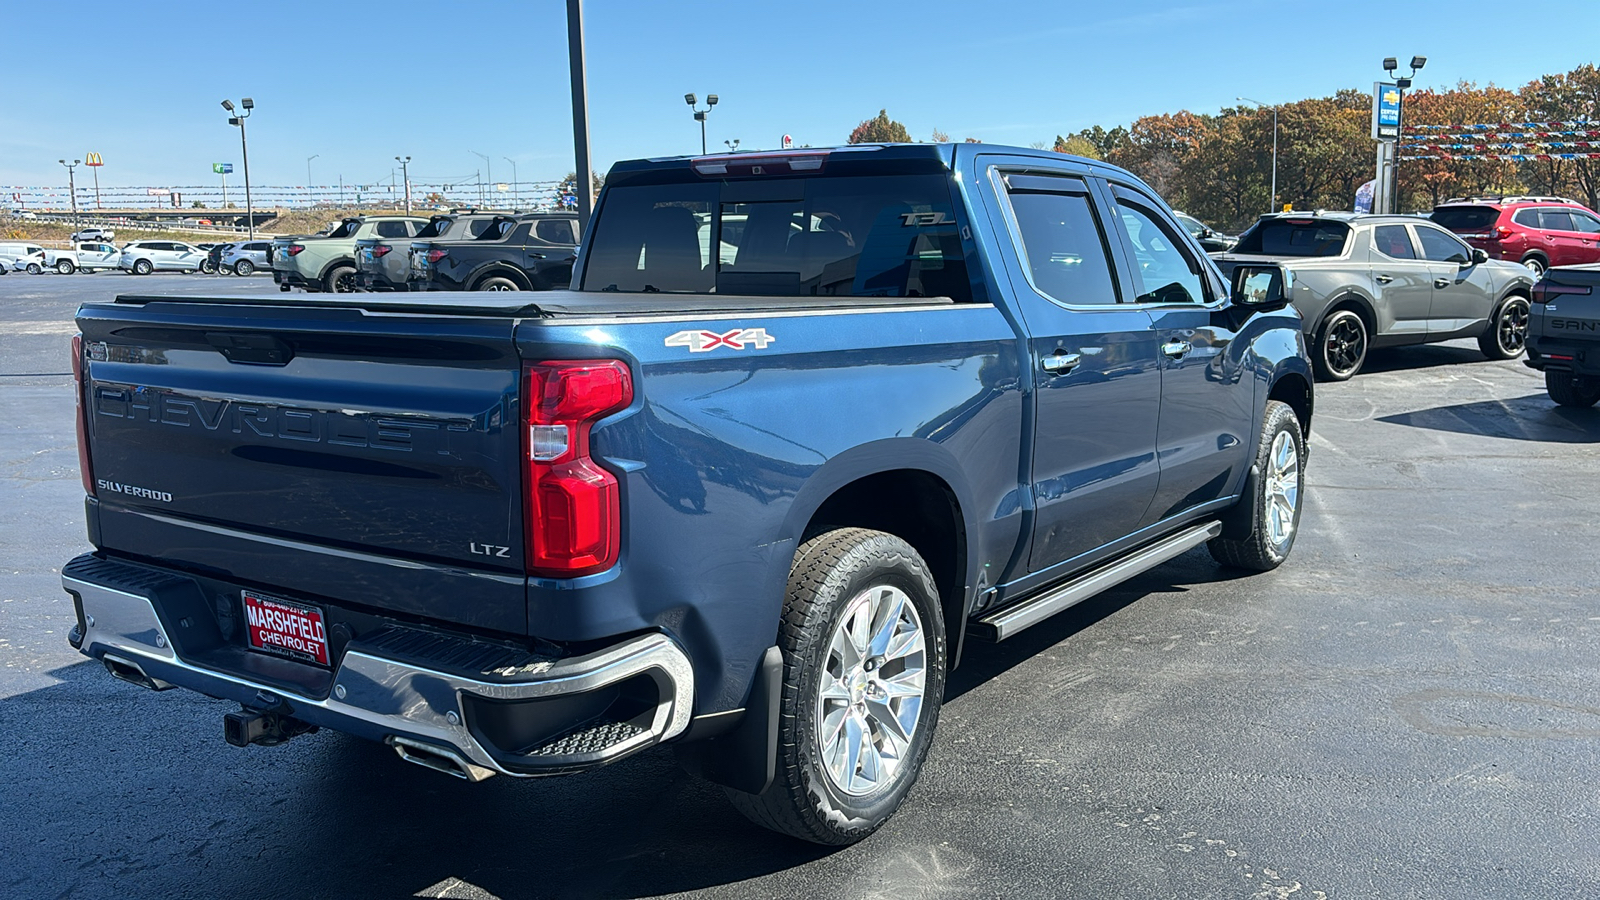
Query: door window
[[1437, 246], [1063, 245], [555, 231], [1166, 273], [1582, 221], [1393, 241], [1555, 220]]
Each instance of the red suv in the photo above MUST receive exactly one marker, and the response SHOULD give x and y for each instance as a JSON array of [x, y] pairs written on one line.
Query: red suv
[[1538, 232]]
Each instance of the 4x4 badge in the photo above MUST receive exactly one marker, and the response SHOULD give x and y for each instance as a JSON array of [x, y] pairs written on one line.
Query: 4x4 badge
[[737, 339]]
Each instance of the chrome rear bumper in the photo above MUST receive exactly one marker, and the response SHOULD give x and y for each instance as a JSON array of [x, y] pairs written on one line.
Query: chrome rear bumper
[[425, 713]]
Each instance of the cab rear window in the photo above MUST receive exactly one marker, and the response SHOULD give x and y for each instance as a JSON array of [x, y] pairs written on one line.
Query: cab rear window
[[1288, 237], [1465, 218], [851, 236]]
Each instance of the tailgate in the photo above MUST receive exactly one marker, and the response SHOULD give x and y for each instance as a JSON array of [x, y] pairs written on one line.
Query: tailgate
[[326, 432]]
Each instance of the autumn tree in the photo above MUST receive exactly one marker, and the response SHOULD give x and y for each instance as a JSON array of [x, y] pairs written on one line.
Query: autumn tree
[[1570, 96], [940, 137], [881, 130], [1424, 183]]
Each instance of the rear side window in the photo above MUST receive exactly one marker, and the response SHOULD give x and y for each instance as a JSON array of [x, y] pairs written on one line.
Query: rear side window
[[1393, 241], [1295, 237], [1582, 221], [860, 236], [1527, 218], [1063, 245], [393, 230], [1555, 220], [555, 231], [1466, 218], [347, 228], [435, 227]]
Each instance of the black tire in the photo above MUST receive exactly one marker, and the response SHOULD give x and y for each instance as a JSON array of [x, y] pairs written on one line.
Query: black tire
[[143, 267], [830, 575], [1507, 334], [1567, 389], [244, 268], [35, 269], [498, 283], [341, 279], [65, 266], [1537, 264], [1250, 540], [208, 268], [1341, 346]]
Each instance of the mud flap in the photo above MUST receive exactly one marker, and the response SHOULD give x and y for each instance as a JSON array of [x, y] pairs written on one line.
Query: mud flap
[[1239, 522], [744, 758]]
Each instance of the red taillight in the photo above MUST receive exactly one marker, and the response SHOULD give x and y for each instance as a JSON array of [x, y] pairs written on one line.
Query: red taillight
[[1502, 231], [436, 255], [295, 249], [1544, 291], [572, 511], [380, 251], [83, 414]]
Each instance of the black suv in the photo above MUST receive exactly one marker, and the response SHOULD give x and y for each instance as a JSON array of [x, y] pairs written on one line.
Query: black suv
[[530, 252]]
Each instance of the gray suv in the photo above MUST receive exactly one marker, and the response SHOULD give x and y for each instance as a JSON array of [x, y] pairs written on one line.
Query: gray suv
[[1365, 281]]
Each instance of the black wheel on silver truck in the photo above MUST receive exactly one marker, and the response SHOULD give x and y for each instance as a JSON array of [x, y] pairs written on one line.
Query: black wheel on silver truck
[[863, 678], [1567, 389], [1264, 524], [340, 280], [1507, 334], [1341, 346]]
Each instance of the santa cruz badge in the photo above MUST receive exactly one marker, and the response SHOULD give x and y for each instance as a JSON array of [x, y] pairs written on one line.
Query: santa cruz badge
[[706, 341]]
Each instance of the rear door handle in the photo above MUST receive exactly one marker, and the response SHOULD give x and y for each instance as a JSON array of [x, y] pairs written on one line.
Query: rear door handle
[[1177, 349], [1060, 363], [1441, 282], [1383, 279]]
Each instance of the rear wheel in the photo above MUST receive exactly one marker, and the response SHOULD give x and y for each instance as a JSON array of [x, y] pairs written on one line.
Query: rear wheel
[[863, 678], [498, 283], [143, 267], [342, 280], [1341, 346], [244, 267], [1537, 264], [35, 269], [65, 266], [1272, 501], [1507, 334], [208, 267], [1567, 389]]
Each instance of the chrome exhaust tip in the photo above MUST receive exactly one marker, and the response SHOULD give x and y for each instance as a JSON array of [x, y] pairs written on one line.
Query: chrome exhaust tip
[[133, 673], [439, 759]]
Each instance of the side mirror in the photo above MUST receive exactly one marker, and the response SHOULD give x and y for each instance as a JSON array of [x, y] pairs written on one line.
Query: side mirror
[[1262, 287], [1479, 256]]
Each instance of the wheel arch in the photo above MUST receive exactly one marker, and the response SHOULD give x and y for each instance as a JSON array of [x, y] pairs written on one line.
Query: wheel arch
[[1294, 388], [499, 269], [1356, 301], [334, 264]]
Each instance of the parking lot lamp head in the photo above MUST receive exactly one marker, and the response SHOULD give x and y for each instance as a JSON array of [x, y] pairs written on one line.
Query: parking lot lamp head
[[1417, 62], [689, 99], [1390, 64], [227, 105], [711, 99], [247, 103]]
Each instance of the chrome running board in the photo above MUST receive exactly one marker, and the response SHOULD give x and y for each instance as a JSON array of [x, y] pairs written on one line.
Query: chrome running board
[[1009, 620]]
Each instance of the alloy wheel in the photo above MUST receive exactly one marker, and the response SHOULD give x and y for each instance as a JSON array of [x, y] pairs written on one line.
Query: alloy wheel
[[870, 691], [1345, 346], [1512, 329], [1283, 489]]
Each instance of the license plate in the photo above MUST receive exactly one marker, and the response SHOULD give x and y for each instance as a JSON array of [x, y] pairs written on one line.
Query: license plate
[[285, 629]]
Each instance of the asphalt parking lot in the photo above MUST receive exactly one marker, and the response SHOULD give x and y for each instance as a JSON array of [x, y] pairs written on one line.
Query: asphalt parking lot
[[1405, 709]]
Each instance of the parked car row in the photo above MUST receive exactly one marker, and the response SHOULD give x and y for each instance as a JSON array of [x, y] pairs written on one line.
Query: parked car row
[[465, 250]]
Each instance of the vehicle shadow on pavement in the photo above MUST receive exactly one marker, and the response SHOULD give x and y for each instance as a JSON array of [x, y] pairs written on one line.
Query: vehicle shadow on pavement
[[982, 661], [1425, 356], [1531, 418]]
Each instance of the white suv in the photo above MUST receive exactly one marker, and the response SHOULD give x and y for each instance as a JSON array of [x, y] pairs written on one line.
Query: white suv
[[94, 234], [144, 257]]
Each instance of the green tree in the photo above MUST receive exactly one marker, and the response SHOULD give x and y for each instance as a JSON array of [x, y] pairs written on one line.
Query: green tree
[[1076, 145], [881, 130]]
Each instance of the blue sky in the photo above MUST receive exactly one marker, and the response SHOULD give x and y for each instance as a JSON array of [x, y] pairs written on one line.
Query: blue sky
[[356, 84]]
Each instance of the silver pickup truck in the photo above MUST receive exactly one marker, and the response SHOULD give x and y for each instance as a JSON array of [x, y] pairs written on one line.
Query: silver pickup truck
[[326, 262], [1564, 334]]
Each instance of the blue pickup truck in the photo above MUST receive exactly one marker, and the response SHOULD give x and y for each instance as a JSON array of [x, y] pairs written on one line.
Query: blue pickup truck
[[809, 422]]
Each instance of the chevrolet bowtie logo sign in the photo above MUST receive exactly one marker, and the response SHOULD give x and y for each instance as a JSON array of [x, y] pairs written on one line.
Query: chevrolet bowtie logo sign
[[705, 341]]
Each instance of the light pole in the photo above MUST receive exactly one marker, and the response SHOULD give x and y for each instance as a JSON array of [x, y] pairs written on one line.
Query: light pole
[[1272, 206], [580, 111], [488, 173], [311, 199], [405, 173], [700, 116], [733, 145], [1390, 64], [72, 188], [516, 191], [244, 149]]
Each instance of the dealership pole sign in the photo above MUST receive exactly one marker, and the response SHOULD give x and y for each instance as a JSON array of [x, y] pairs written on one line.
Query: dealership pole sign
[[1385, 111]]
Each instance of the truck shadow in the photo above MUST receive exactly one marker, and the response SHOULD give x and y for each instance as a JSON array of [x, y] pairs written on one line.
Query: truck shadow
[[1531, 418], [1423, 356]]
